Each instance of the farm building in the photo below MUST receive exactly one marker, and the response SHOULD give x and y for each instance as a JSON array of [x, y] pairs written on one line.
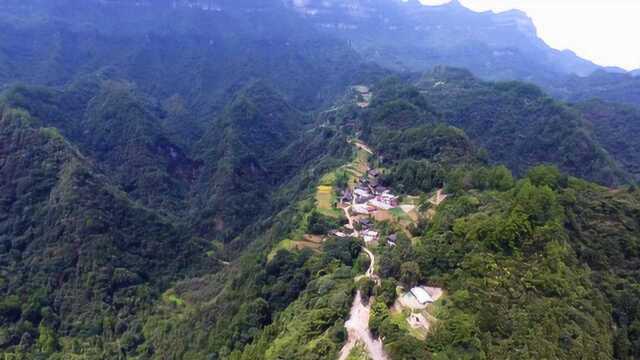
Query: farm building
[[361, 209], [370, 236], [421, 295]]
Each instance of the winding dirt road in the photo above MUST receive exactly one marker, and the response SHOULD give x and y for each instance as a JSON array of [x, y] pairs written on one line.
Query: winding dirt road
[[358, 329], [358, 324]]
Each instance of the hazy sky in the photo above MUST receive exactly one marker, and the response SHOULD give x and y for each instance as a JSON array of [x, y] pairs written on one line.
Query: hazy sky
[[603, 31]]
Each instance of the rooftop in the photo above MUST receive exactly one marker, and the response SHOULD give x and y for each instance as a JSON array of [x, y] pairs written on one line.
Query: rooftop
[[422, 295]]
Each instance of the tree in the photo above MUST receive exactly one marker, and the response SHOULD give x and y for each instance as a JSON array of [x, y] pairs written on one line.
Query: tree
[[410, 273], [366, 285], [545, 175], [342, 180], [386, 292], [379, 312], [501, 178], [47, 340]]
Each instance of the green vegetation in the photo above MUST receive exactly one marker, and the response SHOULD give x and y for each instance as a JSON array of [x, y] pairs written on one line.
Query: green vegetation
[[611, 125], [520, 126], [358, 353], [506, 257]]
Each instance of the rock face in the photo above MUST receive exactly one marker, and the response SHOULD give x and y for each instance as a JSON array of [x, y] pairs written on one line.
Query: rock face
[[410, 36]]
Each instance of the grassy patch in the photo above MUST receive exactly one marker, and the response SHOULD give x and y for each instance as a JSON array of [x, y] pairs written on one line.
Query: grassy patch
[[400, 319], [399, 214], [286, 244], [328, 179], [325, 198], [358, 353], [170, 298]]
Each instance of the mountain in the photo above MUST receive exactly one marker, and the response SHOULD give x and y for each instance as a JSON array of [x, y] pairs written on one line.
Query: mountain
[[407, 35], [603, 85], [122, 131], [170, 52], [411, 37], [519, 125], [78, 256], [240, 153], [611, 125]]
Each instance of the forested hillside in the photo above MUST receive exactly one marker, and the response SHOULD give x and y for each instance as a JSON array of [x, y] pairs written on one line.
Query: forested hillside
[[520, 126], [78, 256], [612, 125]]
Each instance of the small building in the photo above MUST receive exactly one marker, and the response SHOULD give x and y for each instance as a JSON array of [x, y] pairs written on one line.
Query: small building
[[392, 240], [375, 173], [385, 201], [361, 209], [421, 295], [347, 196], [380, 189], [363, 199], [370, 236], [362, 192]]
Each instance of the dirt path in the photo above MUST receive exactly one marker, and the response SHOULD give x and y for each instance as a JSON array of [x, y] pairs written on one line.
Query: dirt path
[[350, 219], [358, 329], [358, 324], [362, 146], [370, 273], [438, 198]]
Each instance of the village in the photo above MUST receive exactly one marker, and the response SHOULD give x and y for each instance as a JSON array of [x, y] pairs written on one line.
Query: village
[[379, 218], [364, 203], [361, 203]]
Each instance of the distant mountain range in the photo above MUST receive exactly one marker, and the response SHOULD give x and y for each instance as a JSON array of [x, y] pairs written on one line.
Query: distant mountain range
[[398, 35], [409, 36]]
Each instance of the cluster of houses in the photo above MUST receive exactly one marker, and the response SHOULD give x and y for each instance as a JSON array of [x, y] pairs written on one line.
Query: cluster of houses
[[364, 96], [368, 197]]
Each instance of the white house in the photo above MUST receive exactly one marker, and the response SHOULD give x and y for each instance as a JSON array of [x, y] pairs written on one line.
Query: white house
[[370, 235], [361, 209], [421, 295], [362, 192]]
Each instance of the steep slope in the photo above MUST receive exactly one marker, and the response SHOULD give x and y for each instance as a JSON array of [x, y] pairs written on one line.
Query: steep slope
[[604, 228], [519, 125], [78, 256], [122, 131], [254, 147], [604, 85], [185, 50], [612, 125], [239, 153], [408, 35]]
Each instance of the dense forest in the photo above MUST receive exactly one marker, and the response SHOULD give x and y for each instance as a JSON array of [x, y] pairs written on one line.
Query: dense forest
[[177, 181]]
